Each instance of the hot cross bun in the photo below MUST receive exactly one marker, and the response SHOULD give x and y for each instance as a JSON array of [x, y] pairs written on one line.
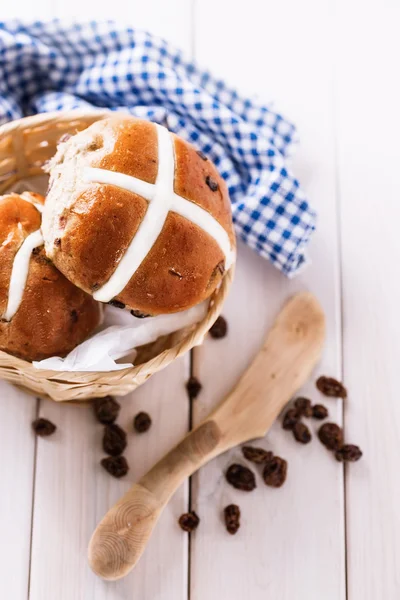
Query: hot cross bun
[[42, 314], [137, 217]]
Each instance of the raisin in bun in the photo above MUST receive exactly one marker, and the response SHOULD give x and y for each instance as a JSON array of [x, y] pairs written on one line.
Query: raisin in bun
[[42, 313], [137, 217]]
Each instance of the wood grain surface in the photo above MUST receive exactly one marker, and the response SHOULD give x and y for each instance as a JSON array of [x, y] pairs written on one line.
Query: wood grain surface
[[330, 533]]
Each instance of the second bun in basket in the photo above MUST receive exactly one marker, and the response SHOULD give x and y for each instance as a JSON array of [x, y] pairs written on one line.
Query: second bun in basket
[[42, 313], [137, 217]]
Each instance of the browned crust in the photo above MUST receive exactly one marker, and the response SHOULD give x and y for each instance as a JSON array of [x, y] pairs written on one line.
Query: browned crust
[[54, 316], [91, 245], [135, 149], [191, 172], [98, 229], [172, 278]]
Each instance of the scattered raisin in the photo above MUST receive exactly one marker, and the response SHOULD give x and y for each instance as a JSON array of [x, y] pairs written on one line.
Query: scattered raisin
[[331, 435], [348, 453], [117, 466], [106, 409], [303, 407], [212, 184], [117, 304], [241, 478], [193, 387], [290, 419], [57, 242], [319, 411], [43, 427], [232, 518], [301, 433], [331, 387], [275, 472], [189, 521], [202, 155], [138, 314], [142, 422], [256, 455], [74, 316], [219, 329], [114, 440]]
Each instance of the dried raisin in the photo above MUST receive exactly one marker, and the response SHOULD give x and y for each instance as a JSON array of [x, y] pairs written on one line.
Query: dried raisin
[[275, 472], [303, 407], [219, 329], [43, 427], [142, 422], [241, 478], [319, 411], [139, 315], [117, 466], [189, 521], [117, 304], [290, 419], [256, 455], [301, 433], [331, 435], [212, 184], [193, 387], [106, 409], [331, 387], [232, 518], [348, 453], [114, 440], [202, 155]]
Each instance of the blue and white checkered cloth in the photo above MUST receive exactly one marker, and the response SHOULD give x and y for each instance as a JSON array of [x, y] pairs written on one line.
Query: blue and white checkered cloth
[[57, 66]]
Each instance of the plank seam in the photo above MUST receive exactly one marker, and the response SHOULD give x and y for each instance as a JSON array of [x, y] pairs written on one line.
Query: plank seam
[[340, 305], [35, 448], [190, 482], [192, 352]]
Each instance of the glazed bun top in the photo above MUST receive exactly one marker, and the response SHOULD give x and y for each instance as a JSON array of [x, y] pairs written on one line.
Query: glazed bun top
[[42, 313], [137, 217], [20, 219]]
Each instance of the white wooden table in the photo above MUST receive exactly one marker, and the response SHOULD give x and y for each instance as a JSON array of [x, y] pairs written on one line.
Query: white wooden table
[[331, 532]]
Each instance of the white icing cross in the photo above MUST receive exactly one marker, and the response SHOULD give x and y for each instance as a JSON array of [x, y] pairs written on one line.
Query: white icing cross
[[162, 199], [19, 273], [20, 268]]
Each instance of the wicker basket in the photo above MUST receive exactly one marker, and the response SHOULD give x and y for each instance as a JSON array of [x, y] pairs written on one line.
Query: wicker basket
[[25, 145]]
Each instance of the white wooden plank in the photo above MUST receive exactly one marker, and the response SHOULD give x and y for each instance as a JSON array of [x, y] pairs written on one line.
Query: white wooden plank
[[166, 19], [73, 492], [368, 120], [291, 544], [17, 461], [23, 9], [171, 20]]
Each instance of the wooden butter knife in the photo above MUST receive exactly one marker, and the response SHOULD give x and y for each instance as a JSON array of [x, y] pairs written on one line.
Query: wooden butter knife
[[291, 350]]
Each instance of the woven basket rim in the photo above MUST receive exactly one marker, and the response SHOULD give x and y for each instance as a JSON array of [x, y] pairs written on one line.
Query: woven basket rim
[[66, 383]]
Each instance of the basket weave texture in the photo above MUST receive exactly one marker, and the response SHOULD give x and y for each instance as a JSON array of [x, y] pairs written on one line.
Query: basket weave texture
[[25, 145]]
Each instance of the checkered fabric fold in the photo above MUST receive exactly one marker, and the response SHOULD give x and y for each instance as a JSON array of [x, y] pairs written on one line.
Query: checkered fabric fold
[[46, 66]]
